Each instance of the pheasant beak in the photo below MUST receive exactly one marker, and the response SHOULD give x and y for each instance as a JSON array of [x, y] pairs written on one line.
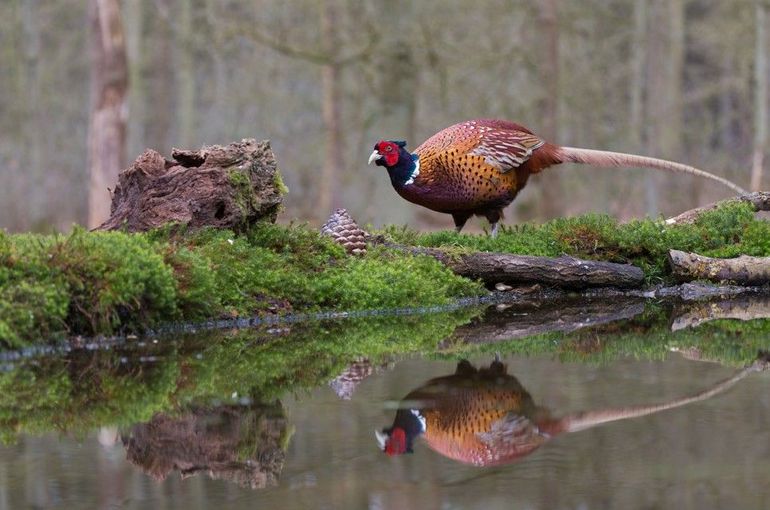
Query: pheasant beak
[[375, 156]]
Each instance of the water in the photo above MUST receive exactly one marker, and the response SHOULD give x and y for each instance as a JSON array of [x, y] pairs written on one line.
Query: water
[[198, 422]]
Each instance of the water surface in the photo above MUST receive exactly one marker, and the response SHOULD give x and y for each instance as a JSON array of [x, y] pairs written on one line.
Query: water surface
[[173, 428]]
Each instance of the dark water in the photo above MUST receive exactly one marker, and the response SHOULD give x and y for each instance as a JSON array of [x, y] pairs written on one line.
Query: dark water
[[317, 450]]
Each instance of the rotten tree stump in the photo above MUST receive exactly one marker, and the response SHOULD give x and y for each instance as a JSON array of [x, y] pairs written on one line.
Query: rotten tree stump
[[743, 270], [226, 187]]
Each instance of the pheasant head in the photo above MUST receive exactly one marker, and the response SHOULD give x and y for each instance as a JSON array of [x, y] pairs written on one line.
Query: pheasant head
[[403, 166]]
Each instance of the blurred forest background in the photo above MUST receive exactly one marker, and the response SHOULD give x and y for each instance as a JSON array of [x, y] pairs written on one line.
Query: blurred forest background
[[325, 79]]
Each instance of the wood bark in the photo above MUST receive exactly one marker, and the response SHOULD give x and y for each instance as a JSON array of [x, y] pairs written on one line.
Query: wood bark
[[760, 95], [760, 200], [331, 109], [109, 84], [225, 187], [565, 272], [551, 203], [743, 270]]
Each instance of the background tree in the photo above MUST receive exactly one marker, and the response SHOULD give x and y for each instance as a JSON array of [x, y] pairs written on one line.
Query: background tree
[[107, 126], [672, 79]]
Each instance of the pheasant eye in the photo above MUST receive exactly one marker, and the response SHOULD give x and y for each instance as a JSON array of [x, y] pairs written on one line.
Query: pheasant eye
[[388, 148]]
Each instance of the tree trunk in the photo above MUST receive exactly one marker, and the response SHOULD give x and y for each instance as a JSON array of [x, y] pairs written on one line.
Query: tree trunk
[[328, 187], [109, 84], [186, 77], [760, 95], [35, 204], [159, 83], [550, 205], [137, 95]]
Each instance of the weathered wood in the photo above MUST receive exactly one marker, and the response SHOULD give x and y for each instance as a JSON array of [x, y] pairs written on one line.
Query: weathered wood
[[743, 270], [532, 317], [226, 187], [564, 271], [760, 200]]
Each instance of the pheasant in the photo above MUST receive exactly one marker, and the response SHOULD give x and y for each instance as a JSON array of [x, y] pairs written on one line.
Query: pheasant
[[485, 417], [478, 167]]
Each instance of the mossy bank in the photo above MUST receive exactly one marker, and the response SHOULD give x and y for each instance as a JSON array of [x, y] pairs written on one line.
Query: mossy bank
[[101, 283], [106, 282]]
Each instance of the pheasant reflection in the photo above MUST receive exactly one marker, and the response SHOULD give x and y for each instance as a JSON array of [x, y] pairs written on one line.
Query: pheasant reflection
[[485, 417]]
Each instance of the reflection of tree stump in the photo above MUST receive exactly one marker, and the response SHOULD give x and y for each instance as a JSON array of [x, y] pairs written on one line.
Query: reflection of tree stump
[[242, 444], [226, 187]]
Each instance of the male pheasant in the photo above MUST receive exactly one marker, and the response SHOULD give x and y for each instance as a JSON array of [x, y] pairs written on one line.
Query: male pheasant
[[485, 417], [478, 167]]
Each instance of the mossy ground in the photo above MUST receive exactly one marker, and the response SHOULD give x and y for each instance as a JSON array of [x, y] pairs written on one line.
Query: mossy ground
[[104, 282], [728, 231], [101, 283]]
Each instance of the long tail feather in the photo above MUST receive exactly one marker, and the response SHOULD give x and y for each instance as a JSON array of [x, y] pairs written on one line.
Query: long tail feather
[[617, 159]]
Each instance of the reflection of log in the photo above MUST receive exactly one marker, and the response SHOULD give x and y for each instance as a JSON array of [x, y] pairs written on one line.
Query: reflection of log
[[534, 318], [744, 308], [743, 270], [242, 444], [760, 200], [225, 187], [566, 272]]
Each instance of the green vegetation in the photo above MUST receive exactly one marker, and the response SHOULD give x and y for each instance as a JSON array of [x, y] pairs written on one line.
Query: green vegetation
[[104, 282], [728, 231], [85, 389]]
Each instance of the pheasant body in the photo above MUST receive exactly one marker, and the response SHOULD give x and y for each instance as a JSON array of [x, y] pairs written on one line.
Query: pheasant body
[[478, 167]]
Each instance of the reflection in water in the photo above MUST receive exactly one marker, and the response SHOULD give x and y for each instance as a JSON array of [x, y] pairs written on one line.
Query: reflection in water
[[485, 417], [243, 444]]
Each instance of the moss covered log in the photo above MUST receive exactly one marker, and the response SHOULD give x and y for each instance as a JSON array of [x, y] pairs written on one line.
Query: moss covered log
[[728, 230]]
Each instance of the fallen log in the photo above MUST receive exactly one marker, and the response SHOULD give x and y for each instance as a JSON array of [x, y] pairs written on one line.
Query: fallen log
[[494, 268], [760, 201], [743, 270], [224, 187], [565, 272]]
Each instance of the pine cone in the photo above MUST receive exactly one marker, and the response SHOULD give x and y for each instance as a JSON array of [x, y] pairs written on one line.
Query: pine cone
[[344, 230], [345, 384]]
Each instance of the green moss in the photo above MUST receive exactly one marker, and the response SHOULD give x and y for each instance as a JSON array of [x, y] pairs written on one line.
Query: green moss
[[728, 230], [86, 389], [279, 184], [104, 282]]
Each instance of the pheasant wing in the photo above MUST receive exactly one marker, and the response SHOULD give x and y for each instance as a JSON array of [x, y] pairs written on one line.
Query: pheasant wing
[[505, 149]]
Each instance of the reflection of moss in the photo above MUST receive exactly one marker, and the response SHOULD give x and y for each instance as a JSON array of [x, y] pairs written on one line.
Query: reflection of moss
[[727, 231], [648, 336], [100, 282], [88, 389]]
